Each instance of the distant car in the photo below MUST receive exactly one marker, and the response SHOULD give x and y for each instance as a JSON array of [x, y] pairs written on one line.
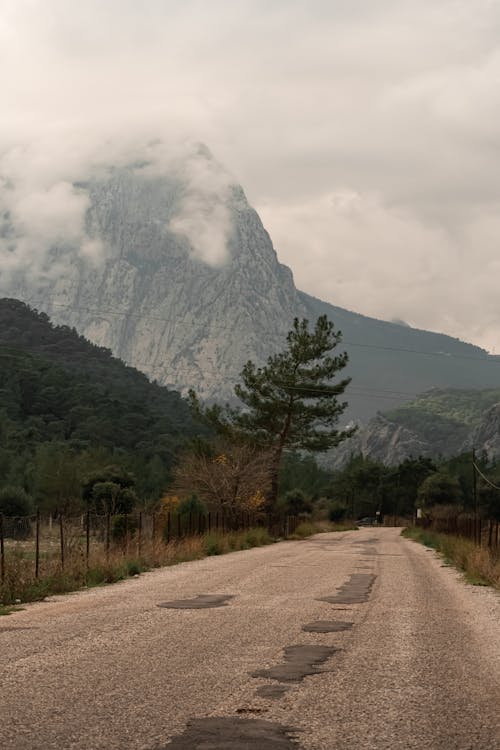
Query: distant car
[[367, 521]]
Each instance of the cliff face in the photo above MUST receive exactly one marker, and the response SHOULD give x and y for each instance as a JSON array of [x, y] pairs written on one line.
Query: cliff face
[[173, 271], [486, 436], [185, 319]]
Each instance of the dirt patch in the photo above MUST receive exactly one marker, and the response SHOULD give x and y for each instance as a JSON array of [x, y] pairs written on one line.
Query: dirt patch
[[355, 591], [234, 734], [201, 601], [300, 661], [327, 626]]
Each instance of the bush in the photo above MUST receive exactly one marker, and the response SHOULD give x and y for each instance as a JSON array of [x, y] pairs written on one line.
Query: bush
[[336, 512], [193, 505], [296, 503], [14, 501], [122, 526]]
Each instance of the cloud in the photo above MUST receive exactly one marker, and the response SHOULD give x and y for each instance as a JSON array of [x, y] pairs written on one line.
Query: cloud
[[394, 102], [348, 246], [44, 199], [204, 214]]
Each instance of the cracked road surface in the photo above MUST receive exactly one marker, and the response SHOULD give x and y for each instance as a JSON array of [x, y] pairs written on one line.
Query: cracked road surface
[[416, 666]]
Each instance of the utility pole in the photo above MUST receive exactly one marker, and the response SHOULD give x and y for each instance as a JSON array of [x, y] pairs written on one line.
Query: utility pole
[[474, 480]]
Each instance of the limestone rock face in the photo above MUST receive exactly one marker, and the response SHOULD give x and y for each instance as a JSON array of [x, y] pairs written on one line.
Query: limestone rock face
[[184, 317], [486, 436], [163, 261], [381, 440]]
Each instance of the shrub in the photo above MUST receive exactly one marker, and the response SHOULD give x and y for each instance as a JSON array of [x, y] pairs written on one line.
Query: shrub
[[122, 526], [191, 504], [336, 512], [14, 501], [296, 503]]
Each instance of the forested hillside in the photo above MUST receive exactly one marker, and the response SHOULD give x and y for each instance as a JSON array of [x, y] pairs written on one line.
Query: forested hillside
[[60, 395], [441, 422]]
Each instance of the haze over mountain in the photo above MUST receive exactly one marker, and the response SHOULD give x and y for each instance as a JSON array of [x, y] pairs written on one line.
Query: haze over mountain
[[161, 259]]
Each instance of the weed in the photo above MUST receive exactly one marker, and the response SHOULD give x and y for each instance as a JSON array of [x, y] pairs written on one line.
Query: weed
[[480, 565], [4, 610]]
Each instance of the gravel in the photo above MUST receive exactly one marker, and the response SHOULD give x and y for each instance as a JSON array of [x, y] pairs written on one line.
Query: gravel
[[108, 668]]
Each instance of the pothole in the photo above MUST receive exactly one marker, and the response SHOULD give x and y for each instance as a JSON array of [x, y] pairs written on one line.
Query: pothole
[[327, 626], [300, 661], [201, 601], [227, 733]]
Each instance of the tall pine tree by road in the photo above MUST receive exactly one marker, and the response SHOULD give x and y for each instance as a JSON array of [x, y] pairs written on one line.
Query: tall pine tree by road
[[291, 403]]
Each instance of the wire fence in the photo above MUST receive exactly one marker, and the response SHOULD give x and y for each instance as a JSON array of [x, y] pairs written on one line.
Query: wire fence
[[44, 544], [483, 532]]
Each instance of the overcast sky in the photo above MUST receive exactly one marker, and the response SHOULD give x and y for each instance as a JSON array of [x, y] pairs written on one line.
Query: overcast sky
[[365, 132]]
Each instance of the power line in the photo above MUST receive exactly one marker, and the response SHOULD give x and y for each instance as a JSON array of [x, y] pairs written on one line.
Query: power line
[[146, 316], [484, 477]]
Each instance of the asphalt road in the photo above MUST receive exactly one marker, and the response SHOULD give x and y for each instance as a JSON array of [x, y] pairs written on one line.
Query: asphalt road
[[398, 652]]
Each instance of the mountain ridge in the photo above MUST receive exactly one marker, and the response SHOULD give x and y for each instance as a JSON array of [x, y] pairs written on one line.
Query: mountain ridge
[[164, 298]]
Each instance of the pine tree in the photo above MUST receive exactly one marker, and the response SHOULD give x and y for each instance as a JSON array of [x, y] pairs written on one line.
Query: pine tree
[[291, 403]]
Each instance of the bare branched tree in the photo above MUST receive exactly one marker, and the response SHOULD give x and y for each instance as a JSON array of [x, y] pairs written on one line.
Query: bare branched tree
[[234, 478]]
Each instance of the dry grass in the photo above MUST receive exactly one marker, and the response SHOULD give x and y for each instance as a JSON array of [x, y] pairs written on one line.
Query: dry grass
[[20, 584], [480, 565]]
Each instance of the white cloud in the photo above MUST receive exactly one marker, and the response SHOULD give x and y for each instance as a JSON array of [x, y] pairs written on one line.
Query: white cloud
[[349, 247], [394, 102]]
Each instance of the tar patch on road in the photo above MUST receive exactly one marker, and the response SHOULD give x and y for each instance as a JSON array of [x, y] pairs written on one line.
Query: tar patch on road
[[202, 601], [271, 691], [355, 591], [300, 661], [234, 734], [327, 626]]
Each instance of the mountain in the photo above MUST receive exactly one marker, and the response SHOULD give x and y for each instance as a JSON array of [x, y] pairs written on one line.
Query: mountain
[[438, 423], [186, 286], [57, 388]]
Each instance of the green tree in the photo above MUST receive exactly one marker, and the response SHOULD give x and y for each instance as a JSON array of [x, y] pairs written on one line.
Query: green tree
[[291, 403], [296, 502], [110, 490], [439, 489], [191, 504], [14, 501]]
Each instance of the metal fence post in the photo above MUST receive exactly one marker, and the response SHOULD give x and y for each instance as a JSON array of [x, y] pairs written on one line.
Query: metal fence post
[[61, 532], [139, 534], [87, 539], [37, 544], [108, 534], [2, 551]]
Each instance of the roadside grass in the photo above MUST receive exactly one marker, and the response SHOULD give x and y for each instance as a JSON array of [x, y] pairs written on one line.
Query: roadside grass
[[4, 611], [20, 584], [480, 565]]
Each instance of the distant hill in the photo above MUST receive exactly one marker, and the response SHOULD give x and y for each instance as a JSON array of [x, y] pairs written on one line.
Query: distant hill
[[390, 364], [188, 287], [57, 386], [438, 423]]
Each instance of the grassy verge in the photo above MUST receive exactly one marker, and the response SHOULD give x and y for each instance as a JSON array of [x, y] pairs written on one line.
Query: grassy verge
[[20, 585], [480, 565]]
